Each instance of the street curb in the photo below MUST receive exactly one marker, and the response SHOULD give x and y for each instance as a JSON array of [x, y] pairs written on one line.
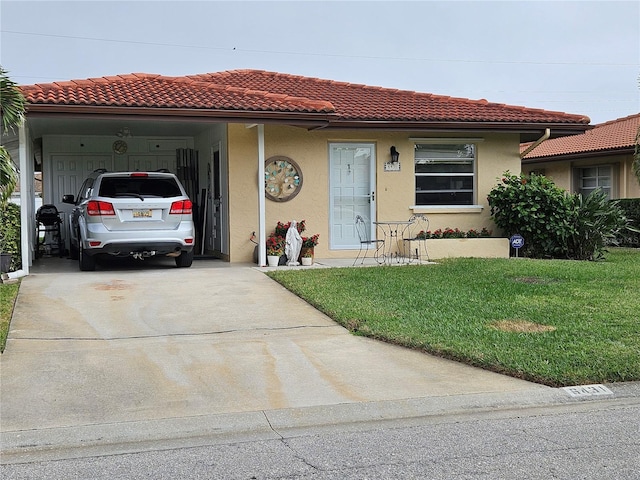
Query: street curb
[[169, 433]]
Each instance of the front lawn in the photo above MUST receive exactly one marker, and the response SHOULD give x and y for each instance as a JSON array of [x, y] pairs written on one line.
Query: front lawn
[[557, 322], [8, 294]]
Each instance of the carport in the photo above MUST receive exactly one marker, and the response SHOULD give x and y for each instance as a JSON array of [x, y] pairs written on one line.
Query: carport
[[67, 150]]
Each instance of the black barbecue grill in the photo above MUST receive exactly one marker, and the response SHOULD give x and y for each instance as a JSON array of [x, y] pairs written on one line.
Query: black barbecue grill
[[48, 235]]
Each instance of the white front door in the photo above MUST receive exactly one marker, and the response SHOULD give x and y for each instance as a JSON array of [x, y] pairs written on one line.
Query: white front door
[[351, 186], [64, 175]]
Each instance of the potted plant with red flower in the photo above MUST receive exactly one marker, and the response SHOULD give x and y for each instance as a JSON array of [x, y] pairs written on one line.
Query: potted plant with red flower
[[308, 243], [275, 248]]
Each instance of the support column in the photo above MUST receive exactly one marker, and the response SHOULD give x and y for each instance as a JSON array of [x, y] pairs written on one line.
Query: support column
[[27, 200], [262, 234]]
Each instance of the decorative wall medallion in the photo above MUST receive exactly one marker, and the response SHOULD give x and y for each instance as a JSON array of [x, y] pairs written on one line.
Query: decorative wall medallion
[[120, 147], [282, 178]]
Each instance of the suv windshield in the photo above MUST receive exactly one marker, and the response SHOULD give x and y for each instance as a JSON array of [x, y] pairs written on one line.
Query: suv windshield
[[139, 186]]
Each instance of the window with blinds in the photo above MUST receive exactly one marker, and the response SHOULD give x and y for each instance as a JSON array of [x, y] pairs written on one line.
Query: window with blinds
[[445, 174]]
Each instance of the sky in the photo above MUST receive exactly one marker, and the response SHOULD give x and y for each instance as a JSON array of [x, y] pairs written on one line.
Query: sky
[[579, 57]]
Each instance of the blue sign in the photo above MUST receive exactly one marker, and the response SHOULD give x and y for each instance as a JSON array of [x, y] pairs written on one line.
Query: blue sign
[[516, 241]]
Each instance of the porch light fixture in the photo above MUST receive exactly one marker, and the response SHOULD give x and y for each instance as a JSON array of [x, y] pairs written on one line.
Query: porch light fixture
[[394, 164], [395, 156]]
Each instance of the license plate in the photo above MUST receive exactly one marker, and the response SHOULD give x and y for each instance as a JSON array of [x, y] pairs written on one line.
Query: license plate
[[142, 214]]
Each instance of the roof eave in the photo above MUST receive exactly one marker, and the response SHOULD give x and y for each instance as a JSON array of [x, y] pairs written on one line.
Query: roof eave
[[305, 119], [579, 155], [312, 120], [528, 131]]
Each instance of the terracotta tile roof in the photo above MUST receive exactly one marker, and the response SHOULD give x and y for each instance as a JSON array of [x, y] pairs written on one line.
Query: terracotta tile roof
[[261, 91], [155, 91], [610, 136], [362, 102]]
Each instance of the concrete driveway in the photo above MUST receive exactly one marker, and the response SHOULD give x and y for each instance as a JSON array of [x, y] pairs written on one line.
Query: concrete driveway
[[130, 344]]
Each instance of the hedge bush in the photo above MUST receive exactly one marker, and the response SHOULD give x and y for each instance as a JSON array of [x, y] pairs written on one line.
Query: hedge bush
[[596, 222], [10, 234], [534, 207], [554, 223], [631, 209]]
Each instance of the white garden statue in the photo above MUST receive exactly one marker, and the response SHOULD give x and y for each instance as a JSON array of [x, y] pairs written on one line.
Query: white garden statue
[[293, 244]]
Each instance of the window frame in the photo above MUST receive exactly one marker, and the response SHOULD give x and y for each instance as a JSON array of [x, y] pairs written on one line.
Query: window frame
[[579, 180], [473, 174]]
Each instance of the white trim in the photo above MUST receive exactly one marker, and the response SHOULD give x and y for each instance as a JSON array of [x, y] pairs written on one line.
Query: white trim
[[447, 208]]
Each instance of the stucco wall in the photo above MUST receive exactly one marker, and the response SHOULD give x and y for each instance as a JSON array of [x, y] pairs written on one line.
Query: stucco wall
[[561, 173], [394, 190], [558, 173]]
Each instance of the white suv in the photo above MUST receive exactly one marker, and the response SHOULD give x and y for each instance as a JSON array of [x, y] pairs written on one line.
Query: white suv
[[131, 214]]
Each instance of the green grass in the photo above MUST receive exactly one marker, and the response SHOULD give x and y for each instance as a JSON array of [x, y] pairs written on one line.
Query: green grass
[[449, 309], [8, 294]]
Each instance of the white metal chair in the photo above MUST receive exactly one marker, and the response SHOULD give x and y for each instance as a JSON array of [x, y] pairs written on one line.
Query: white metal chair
[[363, 228], [415, 240]]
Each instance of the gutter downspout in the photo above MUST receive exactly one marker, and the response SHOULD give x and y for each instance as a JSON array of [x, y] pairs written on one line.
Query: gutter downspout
[[547, 134]]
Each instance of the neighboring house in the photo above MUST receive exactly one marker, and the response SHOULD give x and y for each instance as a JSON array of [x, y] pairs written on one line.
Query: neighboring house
[[222, 132], [599, 158], [37, 188]]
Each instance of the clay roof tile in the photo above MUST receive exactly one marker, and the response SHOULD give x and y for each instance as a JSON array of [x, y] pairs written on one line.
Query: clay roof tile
[[260, 90], [613, 135]]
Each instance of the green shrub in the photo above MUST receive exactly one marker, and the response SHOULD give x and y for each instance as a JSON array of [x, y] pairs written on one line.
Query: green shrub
[[10, 234], [533, 206], [554, 223], [631, 209], [596, 223]]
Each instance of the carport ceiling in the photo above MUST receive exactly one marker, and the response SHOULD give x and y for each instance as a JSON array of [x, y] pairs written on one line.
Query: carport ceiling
[[40, 126]]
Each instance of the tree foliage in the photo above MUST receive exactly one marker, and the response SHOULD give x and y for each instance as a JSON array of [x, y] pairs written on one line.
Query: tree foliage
[[10, 233], [12, 110]]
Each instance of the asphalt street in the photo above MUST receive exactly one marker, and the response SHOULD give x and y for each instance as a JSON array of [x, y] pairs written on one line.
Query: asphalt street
[[585, 440], [157, 372]]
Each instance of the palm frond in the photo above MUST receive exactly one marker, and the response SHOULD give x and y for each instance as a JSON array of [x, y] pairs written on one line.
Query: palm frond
[[12, 102], [8, 175]]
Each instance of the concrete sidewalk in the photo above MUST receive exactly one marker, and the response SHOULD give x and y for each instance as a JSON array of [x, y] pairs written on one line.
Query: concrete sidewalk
[[128, 355]]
